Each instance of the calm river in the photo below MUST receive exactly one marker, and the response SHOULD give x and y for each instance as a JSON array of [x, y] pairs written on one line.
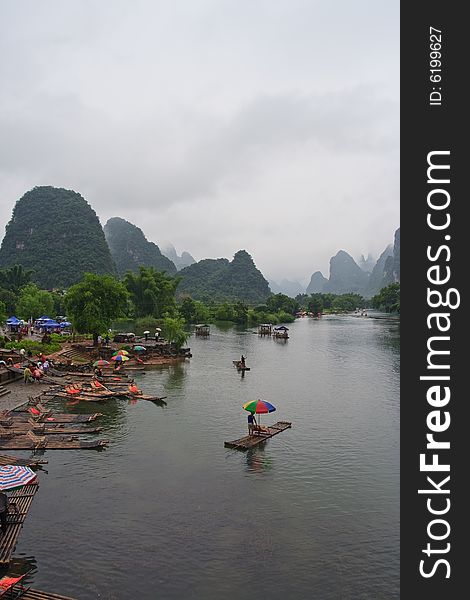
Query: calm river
[[166, 512]]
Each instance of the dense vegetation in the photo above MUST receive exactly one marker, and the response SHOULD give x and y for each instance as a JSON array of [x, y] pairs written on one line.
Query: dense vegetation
[[152, 292], [331, 303], [55, 233], [388, 299], [220, 280], [95, 302], [130, 249]]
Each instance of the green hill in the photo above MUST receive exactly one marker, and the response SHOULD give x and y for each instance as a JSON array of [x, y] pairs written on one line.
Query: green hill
[[130, 248], [57, 234], [219, 280]]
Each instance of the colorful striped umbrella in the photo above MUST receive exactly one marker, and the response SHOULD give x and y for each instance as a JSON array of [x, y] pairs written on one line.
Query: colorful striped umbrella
[[119, 358], [121, 352], [259, 407], [14, 476], [100, 363]]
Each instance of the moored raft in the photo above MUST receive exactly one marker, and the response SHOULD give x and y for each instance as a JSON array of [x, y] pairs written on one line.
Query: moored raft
[[250, 441], [22, 498], [55, 417], [30, 441], [33, 463]]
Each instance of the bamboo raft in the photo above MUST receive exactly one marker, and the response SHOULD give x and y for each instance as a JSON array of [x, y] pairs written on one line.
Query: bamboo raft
[[238, 366], [82, 397], [33, 442], [55, 417], [145, 397], [23, 499], [47, 429], [33, 463], [250, 441]]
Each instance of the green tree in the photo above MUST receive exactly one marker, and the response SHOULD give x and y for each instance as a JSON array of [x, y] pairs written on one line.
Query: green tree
[[3, 311], [188, 309], [10, 299], [15, 278], [315, 303], [174, 331], [95, 302], [33, 302], [282, 302], [388, 298], [152, 292], [347, 302]]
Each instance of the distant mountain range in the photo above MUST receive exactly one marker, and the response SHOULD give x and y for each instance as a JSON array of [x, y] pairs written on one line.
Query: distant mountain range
[[179, 261], [220, 279], [347, 276], [57, 234], [130, 248]]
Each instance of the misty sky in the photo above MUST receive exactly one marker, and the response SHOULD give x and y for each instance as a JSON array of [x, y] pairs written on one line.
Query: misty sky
[[268, 125]]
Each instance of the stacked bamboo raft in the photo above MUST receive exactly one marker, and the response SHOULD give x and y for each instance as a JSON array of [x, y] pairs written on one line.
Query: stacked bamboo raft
[[250, 441], [23, 499]]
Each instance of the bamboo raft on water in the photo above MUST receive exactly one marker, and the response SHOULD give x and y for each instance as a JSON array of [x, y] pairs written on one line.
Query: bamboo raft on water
[[22, 498], [250, 441], [55, 417], [33, 463], [82, 397], [47, 429], [145, 397], [237, 364], [30, 441]]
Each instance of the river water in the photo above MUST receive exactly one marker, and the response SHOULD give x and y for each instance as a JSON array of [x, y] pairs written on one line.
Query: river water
[[167, 512]]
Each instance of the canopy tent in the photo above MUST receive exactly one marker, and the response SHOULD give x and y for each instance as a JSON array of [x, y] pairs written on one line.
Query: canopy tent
[[281, 328], [65, 324], [50, 324], [13, 320], [44, 318]]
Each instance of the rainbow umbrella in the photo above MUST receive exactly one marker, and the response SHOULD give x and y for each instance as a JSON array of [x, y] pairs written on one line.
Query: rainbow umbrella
[[100, 363], [259, 407], [119, 358], [121, 352], [13, 477]]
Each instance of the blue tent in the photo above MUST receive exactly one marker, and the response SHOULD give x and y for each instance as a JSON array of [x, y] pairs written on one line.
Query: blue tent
[[13, 320], [44, 318], [51, 323], [65, 324]]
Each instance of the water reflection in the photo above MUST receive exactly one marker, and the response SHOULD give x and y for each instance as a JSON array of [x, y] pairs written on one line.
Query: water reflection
[[258, 462], [168, 489]]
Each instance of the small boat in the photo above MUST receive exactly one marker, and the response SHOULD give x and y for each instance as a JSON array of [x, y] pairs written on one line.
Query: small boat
[[239, 366]]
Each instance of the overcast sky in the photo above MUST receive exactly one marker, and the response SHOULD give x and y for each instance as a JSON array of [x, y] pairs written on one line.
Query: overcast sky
[[268, 125]]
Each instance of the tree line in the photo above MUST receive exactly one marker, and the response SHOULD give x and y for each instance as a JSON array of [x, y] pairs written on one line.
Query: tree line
[[97, 301]]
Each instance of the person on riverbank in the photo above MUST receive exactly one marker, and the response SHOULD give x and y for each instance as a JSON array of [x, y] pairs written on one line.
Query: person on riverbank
[[27, 375]]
